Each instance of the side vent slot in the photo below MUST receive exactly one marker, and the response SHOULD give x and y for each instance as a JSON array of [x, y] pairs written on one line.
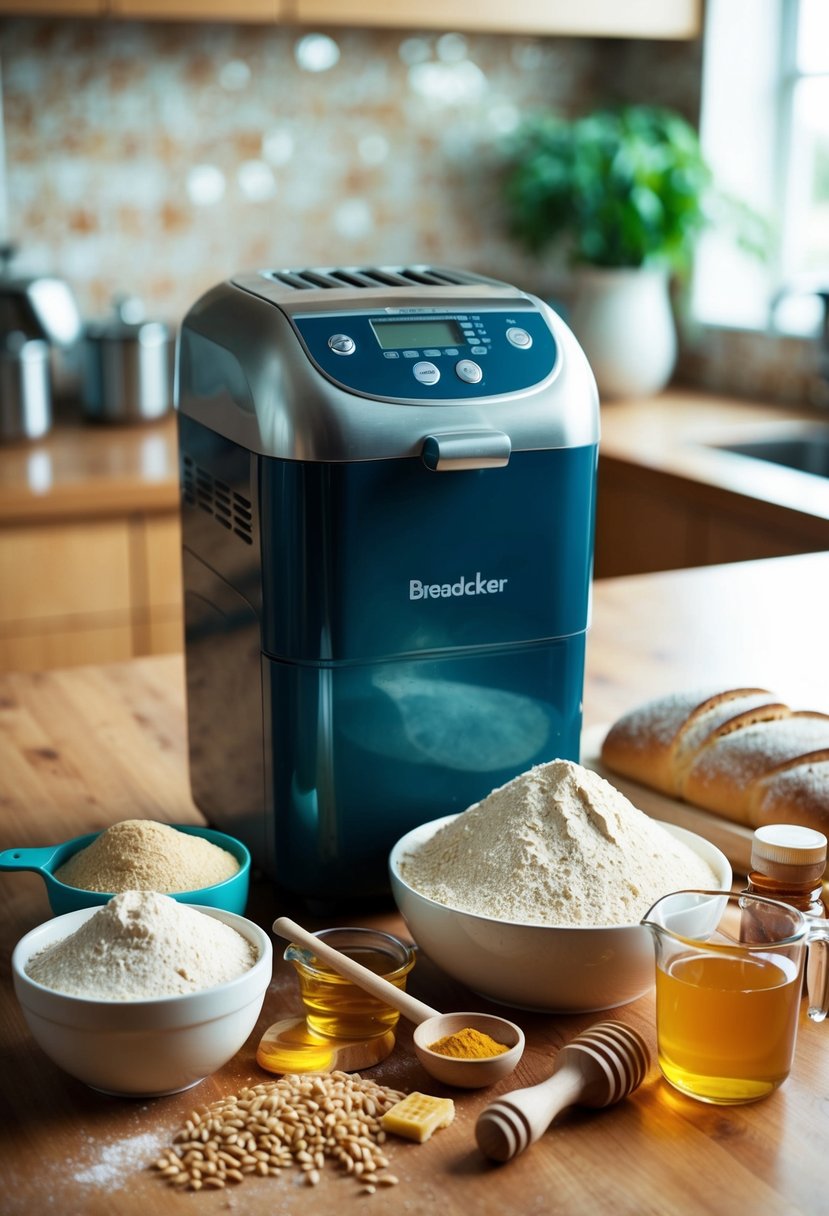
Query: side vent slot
[[228, 507]]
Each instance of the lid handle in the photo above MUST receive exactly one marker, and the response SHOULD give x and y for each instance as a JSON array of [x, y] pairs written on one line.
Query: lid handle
[[454, 450]]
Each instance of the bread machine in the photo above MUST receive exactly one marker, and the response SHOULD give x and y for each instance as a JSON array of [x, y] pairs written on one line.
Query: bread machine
[[388, 489]]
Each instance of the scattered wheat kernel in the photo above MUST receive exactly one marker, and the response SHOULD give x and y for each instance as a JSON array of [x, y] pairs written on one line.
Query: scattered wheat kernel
[[388, 1180], [368, 1190]]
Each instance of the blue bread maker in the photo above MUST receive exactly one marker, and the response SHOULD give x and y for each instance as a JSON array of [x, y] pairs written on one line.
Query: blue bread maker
[[388, 482]]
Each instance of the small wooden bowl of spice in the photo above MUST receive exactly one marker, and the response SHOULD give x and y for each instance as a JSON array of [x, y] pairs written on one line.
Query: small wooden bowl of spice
[[468, 1050]]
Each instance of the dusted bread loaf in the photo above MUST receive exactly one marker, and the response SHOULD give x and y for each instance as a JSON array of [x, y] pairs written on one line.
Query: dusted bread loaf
[[741, 754]]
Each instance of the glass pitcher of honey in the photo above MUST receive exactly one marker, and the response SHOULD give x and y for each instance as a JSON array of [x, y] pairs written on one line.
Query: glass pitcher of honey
[[728, 990]]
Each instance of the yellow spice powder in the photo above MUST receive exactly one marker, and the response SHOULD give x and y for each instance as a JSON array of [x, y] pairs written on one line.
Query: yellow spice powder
[[468, 1044]]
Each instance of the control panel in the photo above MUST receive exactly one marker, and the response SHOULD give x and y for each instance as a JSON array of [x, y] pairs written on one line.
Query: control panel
[[429, 354]]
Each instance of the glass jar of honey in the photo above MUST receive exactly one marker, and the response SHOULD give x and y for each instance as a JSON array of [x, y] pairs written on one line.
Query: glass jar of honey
[[335, 1007], [787, 863]]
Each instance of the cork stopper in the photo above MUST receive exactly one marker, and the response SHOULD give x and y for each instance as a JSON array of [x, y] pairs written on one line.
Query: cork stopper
[[780, 849]]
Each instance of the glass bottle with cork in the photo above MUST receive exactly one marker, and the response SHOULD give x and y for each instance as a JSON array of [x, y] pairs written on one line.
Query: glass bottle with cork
[[787, 863]]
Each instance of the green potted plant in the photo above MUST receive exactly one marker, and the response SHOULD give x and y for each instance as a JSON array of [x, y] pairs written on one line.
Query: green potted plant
[[620, 196]]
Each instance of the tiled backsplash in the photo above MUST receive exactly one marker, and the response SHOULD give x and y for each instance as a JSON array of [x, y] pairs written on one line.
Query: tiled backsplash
[[158, 159]]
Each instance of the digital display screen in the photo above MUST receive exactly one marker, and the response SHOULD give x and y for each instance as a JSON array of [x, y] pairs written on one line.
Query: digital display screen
[[397, 335]]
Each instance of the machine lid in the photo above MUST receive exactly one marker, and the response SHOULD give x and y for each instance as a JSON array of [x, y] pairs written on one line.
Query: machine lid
[[344, 364]]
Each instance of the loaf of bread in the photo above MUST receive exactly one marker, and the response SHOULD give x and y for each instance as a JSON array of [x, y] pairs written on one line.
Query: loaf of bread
[[741, 754]]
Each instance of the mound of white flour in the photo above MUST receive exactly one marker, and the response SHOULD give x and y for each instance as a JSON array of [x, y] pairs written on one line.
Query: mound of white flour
[[143, 945], [557, 846]]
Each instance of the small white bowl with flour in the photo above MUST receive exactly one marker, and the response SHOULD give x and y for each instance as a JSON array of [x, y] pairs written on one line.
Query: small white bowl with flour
[[120, 1040], [533, 896]]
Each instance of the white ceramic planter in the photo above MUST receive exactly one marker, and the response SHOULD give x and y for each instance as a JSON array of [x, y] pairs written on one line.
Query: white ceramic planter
[[624, 322]]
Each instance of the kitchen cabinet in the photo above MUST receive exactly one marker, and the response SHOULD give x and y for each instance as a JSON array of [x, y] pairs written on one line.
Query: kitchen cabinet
[[669, 497], [647, 522], [600, 18], [53, 8], [158, 602], [590, 18], [89, 591], [66, 592], [151, 10], [89, 546], [198, 10]]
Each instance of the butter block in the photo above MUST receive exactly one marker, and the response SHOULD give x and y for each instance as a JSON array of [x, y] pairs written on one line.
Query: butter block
[[417, 1116]]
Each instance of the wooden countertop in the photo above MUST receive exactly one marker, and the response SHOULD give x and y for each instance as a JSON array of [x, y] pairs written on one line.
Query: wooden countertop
[[83, 748], [86, 470]]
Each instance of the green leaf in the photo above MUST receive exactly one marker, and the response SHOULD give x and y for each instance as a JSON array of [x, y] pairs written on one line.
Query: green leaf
[[618, 187]]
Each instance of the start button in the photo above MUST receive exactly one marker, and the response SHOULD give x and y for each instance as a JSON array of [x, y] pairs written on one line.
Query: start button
[[426, 372]]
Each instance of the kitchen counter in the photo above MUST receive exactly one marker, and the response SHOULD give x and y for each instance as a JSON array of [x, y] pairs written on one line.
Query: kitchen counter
[[83, 748], [85, 470], [80, 469]]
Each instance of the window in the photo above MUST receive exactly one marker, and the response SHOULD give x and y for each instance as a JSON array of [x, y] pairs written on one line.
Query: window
[[765, 132]]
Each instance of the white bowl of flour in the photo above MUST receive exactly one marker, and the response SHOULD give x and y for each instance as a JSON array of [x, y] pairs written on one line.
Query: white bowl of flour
[[143, 996], [533, 896]]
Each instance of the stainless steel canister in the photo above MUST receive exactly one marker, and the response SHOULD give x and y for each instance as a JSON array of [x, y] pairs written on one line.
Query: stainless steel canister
[[128, 367], [25, 388]]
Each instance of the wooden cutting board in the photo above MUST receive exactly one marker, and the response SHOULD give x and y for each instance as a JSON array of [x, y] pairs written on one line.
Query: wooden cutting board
[[732, 838]]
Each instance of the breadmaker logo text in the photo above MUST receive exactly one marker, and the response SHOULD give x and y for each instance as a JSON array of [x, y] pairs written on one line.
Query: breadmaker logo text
[[478, 585]]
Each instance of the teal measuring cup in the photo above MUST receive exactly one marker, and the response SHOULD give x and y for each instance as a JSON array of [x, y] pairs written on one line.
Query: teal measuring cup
[[231, 895]]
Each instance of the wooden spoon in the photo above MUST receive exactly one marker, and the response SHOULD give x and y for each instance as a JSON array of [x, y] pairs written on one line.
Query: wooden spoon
[[599, 1067], [430, 1025]]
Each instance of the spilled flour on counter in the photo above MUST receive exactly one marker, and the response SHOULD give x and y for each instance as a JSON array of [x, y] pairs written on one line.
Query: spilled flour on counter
[[118, 1162], [142, 945], [558, 845]]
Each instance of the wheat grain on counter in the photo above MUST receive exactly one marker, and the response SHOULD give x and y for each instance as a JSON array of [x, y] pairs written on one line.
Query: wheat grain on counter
[[298, 1121]]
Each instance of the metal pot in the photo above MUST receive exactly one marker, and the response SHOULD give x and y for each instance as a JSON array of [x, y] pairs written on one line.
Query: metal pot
[[25, 388], [41, 308], [128, 367]]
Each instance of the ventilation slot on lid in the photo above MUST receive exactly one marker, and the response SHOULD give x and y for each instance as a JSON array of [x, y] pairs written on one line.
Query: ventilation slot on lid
[[327, 278], [289, 279], [228, 507]]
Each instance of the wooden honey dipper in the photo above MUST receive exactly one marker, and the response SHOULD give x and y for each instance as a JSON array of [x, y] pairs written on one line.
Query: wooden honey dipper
[[599, 1067]]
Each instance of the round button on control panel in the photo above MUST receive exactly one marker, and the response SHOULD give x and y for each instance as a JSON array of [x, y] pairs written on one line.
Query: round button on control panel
[[426, 372], [519, 337], [342, 344], [468, 371]]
